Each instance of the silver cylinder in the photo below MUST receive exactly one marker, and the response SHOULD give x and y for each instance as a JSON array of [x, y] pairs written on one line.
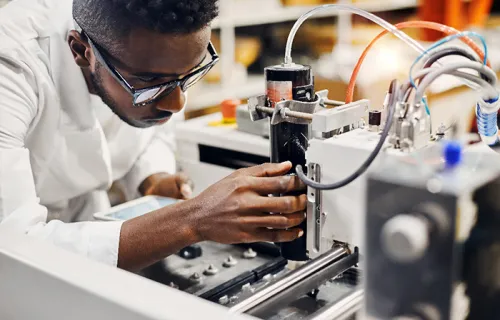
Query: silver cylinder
[[290, 280]]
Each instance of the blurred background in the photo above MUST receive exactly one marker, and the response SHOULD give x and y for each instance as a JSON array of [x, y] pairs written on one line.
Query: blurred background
[[251, 34]]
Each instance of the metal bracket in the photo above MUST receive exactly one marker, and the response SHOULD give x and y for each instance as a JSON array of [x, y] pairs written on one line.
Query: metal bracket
[[328, 120], [286, 111], [315, 217], [253, 103]]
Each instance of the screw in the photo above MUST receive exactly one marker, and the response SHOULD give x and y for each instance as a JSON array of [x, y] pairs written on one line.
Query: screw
[[249, 254], [233, 299], [224, 300], [211, 270], [230, 262], [248, 288], [196, 277], [267, 277], [173, 285]]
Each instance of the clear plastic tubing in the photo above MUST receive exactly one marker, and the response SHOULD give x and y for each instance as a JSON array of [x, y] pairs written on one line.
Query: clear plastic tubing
[[344, 7], [370, 16]]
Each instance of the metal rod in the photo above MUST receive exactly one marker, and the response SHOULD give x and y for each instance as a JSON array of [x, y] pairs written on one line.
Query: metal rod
[[334, 103], [290, 280], [300, 115], [343, 309], [287, 112], [311, 283]]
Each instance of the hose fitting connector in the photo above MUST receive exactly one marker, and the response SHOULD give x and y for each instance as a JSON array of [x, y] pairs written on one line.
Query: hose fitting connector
[[486, 114]]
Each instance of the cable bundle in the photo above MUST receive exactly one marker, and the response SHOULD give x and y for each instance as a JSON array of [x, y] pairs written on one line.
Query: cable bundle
[[484, 81]]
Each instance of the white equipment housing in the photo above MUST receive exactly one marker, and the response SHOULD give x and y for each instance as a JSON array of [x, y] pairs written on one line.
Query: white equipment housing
[[342, 210]]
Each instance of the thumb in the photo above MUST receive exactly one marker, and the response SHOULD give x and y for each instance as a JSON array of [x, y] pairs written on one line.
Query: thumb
[[185, 185], [186, 191]]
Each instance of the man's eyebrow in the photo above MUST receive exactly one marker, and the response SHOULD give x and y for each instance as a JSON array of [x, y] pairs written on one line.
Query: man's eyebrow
[[165, 75]]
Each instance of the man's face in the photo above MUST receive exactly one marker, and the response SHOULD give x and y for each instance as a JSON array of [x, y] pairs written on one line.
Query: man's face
[[146, 59]]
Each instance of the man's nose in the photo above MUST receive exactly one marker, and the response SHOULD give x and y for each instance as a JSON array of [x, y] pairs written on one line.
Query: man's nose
[[174, 102]]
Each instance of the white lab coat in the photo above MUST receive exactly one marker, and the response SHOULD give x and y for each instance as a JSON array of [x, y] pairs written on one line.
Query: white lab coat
[[60, 147]]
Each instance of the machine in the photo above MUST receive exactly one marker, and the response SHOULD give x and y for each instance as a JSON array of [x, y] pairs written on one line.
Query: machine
[[434, 229]]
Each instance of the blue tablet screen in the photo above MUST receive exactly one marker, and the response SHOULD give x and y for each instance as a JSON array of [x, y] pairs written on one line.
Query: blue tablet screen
[[142, 208]]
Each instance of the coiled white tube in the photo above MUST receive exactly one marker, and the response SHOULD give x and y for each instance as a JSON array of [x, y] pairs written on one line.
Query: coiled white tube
[[489, 89], [353, 9]]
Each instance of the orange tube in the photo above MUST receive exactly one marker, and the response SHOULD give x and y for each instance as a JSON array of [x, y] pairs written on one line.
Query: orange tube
[[410, 24], [478, 13], [453, 14]]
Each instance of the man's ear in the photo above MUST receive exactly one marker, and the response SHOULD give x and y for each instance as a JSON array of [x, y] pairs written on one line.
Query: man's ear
[[80, 49]]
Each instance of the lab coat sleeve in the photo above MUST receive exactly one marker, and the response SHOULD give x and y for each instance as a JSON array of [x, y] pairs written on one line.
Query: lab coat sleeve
[[158, 157], [20, 208]]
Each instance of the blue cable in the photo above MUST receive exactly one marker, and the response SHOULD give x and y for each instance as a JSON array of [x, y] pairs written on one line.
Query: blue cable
[[441, 42]]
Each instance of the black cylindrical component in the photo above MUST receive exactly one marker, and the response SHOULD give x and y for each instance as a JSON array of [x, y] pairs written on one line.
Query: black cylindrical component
[[375, 118], [290, 140], [482, 256], [191, 252]]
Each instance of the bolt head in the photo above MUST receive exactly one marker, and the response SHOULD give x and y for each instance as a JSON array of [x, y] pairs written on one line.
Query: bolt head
[[211, 270], [230, 262]]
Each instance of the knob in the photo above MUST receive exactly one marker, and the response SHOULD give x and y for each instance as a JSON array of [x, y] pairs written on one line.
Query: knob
[[405, 238], [191, 252]]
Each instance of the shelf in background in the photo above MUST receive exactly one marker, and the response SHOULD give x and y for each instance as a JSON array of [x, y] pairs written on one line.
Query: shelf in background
[[255, 12], [205, 95]]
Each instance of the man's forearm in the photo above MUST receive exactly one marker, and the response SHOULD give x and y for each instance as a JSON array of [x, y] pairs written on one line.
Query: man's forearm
[[152, 237]]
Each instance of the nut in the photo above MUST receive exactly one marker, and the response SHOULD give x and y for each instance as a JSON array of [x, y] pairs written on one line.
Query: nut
[[196, 277], [211, 270], [249, 254], [230, 262]]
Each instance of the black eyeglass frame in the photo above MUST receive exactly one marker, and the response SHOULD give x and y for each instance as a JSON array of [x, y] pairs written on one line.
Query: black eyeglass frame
[[168, 86]]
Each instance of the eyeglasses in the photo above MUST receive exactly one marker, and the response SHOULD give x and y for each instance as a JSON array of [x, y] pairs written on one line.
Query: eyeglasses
[[148, 95]]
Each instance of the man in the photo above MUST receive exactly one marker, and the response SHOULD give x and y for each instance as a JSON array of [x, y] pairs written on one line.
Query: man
[[83, 84]]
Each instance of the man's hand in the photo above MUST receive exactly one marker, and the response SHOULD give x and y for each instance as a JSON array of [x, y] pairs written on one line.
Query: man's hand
[[236, 210], [177, 186]]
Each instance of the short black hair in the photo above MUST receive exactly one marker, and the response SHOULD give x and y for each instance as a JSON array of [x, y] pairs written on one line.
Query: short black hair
[[106, 20]]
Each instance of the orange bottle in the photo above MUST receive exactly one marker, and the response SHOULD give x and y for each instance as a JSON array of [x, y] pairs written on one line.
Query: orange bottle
[[228, 110]]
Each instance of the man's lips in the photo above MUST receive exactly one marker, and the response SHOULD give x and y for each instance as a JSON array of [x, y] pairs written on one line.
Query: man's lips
[[163, 121], [159, 120]]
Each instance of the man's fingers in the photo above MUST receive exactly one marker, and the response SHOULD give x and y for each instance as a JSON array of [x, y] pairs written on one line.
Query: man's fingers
[[275, 221], [288, 204], [278, 235], [186, 191], [276, 185], [185, 185], [266, 170], [182, 178]]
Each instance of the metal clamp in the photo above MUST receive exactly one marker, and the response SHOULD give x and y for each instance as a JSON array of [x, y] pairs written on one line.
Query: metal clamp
[[292, 111], [315, 217]]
